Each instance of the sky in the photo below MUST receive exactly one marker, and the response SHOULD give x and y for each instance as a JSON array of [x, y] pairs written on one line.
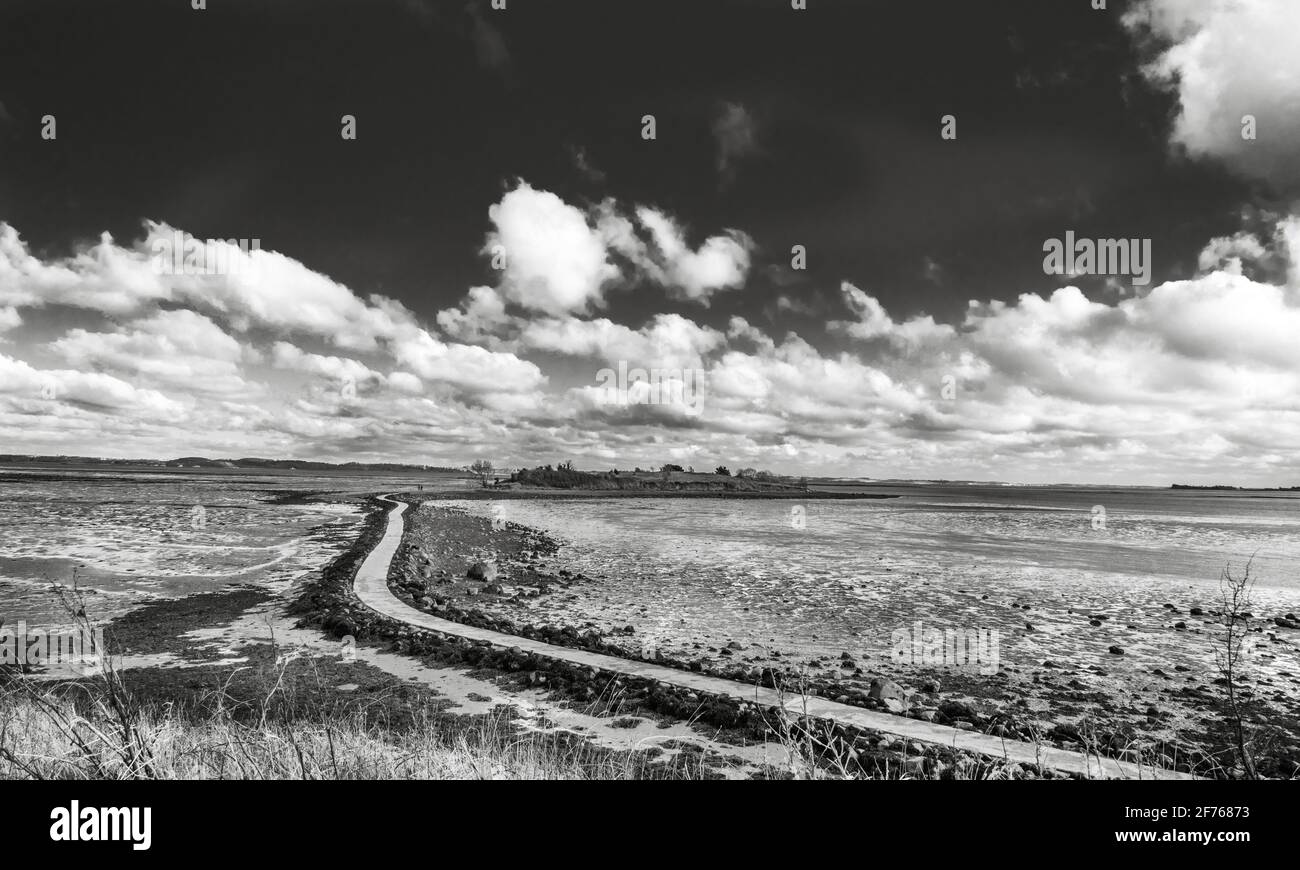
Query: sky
[[822, 230]]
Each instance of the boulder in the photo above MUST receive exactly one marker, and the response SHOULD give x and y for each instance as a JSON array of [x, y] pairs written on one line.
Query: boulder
[[481, 571], [882, 690]]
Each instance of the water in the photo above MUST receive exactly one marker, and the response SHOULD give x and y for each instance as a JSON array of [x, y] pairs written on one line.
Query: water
[[134, 536], [814, 578], [818, 578]]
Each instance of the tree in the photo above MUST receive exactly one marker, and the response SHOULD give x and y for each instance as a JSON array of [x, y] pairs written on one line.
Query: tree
[[1232, 655], [723, 470], [483, 469], [669, 467]]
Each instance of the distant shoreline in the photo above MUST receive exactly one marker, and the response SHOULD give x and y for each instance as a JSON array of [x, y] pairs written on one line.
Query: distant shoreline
[[490, 494]]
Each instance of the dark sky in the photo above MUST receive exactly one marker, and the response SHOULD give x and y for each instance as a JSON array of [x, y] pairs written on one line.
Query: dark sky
[[226, 122]]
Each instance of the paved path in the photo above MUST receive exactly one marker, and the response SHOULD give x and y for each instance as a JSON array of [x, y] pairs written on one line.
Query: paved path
[[371, 587]]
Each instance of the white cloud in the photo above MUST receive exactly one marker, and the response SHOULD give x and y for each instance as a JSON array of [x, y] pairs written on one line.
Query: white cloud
[[117, 280], [467, 367], [556, 262], [1197, 379], [31, 391], [561, 260], [177, 348], [482, 313], [874, 322], [721, 263], [668, 341], [1226, 59]]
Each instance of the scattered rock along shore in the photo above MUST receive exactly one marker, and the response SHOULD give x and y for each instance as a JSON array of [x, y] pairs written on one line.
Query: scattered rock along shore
[[438, 568]]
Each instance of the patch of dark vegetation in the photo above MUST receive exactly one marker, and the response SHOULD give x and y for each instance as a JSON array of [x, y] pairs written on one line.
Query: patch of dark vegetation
[[156, 627]]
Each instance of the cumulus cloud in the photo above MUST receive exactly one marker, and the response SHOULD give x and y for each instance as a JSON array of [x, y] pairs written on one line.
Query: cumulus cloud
[[481, 314], [31, 391], [1226, 59], [125, 280], [177, 347], [1190, 379], [183, 360], [467, 367], [560, 259], [1197, 378], [668, 341], [555, 260], [721, 263], [874, 322]]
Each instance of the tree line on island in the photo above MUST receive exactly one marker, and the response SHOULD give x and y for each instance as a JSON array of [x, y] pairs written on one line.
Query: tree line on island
[[669, 476]]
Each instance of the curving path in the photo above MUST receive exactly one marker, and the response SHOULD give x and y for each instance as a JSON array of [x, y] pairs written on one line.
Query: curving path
[[371, 586]]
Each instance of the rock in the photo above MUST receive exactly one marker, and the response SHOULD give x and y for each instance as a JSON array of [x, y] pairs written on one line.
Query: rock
[[1116, 651], [1196, 611], [493, 589], [884, 689], [481, 571], [1283, 622], [1094, 622], [894, 705], [913, 766], [956, 710]]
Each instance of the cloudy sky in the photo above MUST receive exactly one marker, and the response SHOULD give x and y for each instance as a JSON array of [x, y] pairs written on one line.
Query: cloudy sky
[[864, 296]]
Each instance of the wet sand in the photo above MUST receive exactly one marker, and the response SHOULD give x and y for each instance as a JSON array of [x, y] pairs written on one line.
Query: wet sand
[[1144, 698]]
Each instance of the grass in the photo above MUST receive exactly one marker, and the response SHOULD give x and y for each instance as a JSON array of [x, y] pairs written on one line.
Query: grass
[[274, 724], [280, 717], [96, 729]]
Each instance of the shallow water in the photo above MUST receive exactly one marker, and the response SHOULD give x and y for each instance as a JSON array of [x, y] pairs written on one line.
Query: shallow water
[[820, 578], [128, 538]]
